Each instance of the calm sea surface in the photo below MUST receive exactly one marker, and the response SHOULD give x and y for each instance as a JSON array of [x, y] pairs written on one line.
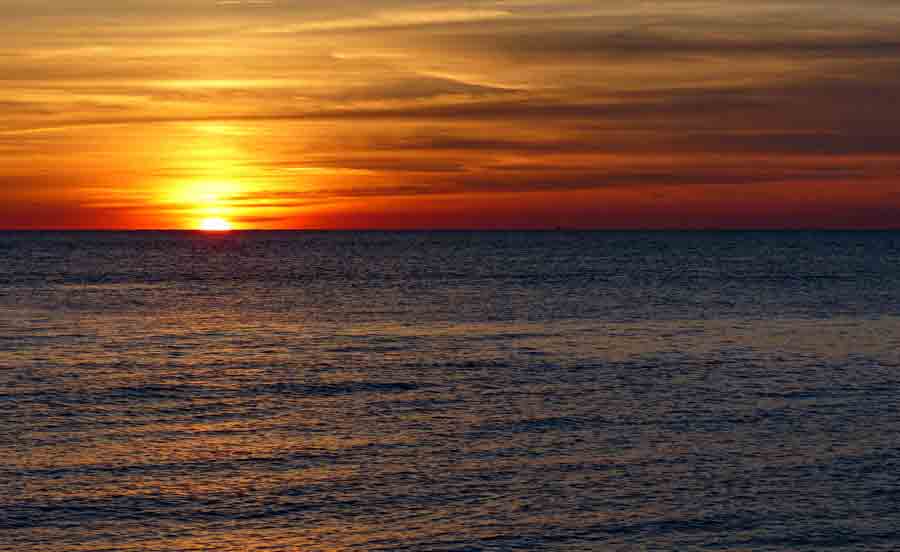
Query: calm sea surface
[[449, 391]]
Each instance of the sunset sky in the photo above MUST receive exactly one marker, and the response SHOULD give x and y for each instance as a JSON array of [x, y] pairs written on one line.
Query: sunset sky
[[465, 114]]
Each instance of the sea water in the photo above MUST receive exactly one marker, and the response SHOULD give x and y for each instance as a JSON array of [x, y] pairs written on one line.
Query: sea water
[[564, 391]]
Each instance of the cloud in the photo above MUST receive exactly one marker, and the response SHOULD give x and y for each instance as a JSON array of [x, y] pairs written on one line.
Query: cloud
[[392, 19], [368, 101]]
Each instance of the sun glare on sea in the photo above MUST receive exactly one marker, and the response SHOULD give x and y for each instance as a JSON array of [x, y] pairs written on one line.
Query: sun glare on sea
[[215, 225]]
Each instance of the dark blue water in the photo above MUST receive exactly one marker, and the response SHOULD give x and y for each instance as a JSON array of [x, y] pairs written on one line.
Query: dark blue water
[[449, 391]]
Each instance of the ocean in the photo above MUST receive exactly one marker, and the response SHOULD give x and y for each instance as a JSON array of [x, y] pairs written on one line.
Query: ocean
[[449, 391]]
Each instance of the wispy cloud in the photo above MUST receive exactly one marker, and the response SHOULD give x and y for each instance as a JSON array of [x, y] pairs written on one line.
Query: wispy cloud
[[342, 106]]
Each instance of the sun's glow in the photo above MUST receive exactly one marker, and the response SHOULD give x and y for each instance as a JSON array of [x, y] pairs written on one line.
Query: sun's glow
[[203, 193], [215, 225]]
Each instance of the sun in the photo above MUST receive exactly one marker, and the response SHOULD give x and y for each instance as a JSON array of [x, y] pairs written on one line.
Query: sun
[[215, 225]]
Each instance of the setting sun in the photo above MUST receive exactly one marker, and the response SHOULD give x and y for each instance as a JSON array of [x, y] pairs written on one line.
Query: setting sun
[[215, 225]]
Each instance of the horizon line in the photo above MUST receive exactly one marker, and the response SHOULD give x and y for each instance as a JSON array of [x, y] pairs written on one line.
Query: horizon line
[[401, 229]]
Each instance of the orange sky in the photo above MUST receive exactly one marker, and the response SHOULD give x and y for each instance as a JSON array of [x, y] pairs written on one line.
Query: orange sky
[[476, 114]]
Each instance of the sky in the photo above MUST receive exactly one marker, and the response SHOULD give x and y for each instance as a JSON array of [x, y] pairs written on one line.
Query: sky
[[468, 114]]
